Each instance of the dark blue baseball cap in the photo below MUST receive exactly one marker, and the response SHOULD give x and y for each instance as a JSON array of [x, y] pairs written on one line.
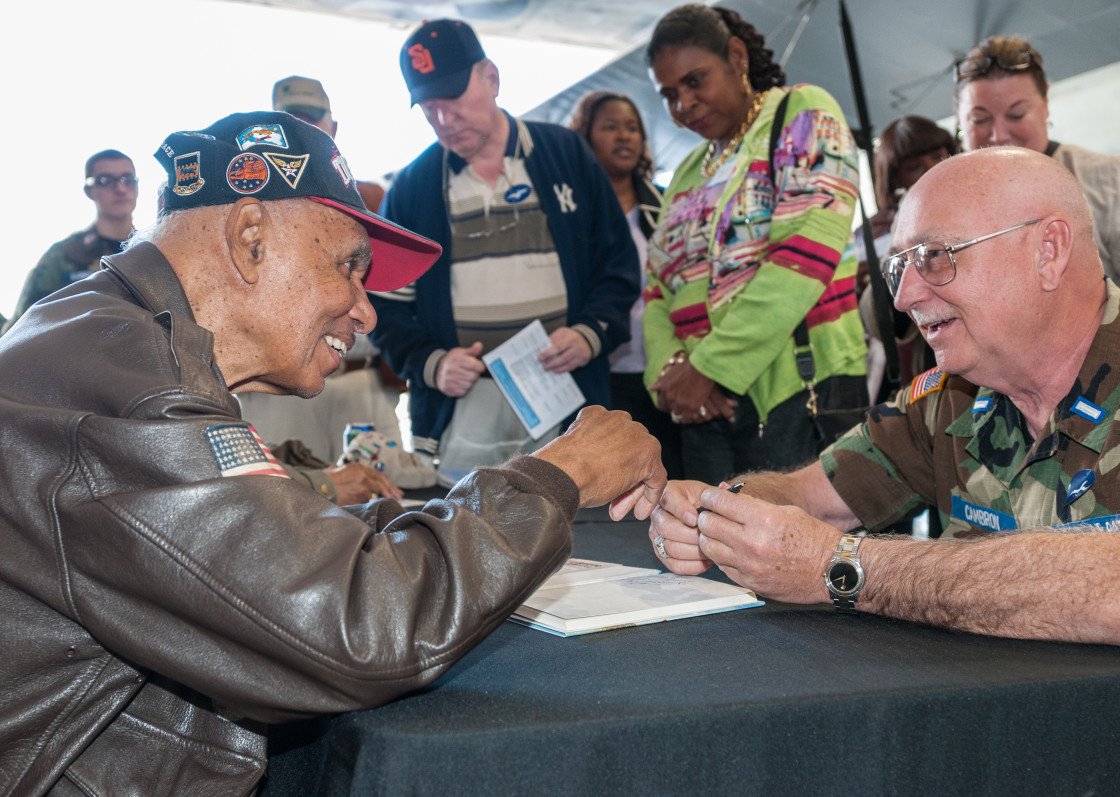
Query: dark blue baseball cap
[[436, 59], [271, 155]]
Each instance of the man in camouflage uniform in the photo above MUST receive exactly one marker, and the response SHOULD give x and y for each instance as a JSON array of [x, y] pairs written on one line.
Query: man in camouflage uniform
[[1015, 430], [111, 184]]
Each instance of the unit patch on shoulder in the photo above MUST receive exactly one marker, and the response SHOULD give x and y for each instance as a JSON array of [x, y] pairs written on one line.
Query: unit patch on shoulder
[[239, 451], [929, 382]]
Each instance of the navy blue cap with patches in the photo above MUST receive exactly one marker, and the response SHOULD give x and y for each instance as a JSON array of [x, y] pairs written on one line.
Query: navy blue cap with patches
[[436, 59], [270, 155]]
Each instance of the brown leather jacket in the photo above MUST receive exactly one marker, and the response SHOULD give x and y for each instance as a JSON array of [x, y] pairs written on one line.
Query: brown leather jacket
[[156, 614]]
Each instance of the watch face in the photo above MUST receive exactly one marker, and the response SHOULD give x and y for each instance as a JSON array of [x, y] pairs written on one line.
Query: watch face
[[843, 578]]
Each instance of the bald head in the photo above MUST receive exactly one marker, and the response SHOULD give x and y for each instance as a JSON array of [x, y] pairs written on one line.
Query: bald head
[[1005, 186], [1017, 264]]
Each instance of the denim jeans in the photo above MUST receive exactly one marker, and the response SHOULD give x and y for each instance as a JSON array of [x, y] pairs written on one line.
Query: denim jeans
[[719, 449]]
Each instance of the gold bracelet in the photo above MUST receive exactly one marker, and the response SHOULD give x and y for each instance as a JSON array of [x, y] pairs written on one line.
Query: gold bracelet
[[676, 359]]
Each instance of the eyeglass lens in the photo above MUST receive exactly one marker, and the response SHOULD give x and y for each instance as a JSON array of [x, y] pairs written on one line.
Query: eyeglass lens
[[104, 180], [932, 260]]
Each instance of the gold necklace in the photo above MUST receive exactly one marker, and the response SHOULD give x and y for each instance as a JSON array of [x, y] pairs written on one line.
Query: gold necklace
[[707, 167]]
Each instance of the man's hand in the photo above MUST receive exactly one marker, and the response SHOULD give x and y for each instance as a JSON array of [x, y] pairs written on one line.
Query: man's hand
[[674, 521], [569, 351], [780, 552], [356, 483], [459, 369], [610, 458]]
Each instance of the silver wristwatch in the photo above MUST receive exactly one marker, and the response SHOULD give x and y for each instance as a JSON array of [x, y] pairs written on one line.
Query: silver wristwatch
[[844, 575]]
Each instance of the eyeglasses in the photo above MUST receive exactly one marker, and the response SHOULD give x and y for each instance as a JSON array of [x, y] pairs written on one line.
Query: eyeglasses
[[106, 180], [978, 66], [934, 261]]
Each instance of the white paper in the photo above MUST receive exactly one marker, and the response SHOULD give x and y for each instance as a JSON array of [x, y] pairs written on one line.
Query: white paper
[[541, 399]]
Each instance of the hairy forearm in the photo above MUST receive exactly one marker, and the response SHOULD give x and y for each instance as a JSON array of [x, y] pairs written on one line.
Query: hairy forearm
[[1031, 585], [807, 488]]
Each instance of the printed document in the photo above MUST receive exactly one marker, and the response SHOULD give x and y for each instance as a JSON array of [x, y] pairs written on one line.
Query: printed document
[[540, 398]]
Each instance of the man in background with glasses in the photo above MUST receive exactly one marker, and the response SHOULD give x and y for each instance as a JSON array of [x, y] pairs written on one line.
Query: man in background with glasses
[[1012, 438], [531, 230], [111, 184]]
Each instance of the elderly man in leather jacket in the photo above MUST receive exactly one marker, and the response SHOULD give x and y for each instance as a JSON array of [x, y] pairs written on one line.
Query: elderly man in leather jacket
[[166, 591]]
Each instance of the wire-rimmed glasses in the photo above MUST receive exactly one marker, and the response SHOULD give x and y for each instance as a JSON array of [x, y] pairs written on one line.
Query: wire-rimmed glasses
[[934, 260]]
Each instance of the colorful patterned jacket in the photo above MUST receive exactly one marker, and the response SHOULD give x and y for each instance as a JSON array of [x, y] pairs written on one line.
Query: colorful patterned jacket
[[736, 264]]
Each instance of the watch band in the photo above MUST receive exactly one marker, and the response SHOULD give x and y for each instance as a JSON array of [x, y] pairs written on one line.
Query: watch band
[[847, 550]]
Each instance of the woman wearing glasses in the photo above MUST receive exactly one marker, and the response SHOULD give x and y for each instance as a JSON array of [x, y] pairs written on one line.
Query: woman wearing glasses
[[751, 254], [1001, 100]]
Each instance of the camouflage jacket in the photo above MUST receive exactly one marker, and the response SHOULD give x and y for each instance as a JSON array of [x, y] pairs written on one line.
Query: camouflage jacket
[[948, 443], [67, 261]]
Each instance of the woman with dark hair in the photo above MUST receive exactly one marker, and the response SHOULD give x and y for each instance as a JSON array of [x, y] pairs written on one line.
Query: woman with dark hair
[[751, 327], [1000, 97], [613, 127]]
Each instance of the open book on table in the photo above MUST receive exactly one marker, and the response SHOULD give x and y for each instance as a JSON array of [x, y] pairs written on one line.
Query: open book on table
[[586, 596]]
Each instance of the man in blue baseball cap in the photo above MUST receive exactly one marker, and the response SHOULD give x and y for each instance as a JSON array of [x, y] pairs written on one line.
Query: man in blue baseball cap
[[166, 589], [531, 230]]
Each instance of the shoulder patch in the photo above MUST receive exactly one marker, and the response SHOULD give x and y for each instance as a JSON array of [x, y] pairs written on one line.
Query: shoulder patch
[[924, 384], [239, 451]]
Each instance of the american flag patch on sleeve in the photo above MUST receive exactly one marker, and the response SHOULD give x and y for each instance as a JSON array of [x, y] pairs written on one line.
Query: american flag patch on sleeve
[[926, 383], [239, 451]]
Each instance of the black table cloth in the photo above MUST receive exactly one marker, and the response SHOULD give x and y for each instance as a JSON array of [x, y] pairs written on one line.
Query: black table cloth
[[772, 700]]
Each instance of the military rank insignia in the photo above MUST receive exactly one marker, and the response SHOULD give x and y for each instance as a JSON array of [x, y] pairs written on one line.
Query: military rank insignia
[[929, 382]]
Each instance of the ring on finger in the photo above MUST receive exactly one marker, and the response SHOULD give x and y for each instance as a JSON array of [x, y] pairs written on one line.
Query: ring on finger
[[659, 544]]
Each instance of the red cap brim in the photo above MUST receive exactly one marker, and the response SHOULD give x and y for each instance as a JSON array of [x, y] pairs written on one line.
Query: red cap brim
[[400, 256]]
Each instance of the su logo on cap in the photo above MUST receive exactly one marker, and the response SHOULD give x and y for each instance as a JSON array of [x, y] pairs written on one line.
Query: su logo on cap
[[421, 59]]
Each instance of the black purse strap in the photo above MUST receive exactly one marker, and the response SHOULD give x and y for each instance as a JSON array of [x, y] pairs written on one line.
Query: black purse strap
[[806, 368], [803, 350]]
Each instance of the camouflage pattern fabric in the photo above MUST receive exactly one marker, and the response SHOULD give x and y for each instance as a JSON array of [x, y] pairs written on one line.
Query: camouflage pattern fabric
[[66, 261], [947, 443]]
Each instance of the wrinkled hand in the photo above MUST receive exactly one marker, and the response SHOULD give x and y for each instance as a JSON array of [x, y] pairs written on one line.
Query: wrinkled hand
[[459, 369], [780, 552], [356, 483], [674, 520], [569, 351], [690, 397], [610, 458]]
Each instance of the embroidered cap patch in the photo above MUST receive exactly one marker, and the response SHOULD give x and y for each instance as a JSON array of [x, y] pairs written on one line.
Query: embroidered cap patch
[[239, 451]]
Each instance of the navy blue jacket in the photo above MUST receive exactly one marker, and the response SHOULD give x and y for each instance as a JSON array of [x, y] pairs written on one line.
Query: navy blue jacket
[[592, 239]]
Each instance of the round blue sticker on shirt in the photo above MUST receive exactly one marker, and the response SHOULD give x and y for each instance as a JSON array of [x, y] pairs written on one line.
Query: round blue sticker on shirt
[[518, 193]]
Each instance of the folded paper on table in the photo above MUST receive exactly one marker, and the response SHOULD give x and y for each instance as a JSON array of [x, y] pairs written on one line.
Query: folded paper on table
[[583, 607]]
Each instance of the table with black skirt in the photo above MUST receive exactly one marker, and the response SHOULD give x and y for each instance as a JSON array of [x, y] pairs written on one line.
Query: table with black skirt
[[773, 700]]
